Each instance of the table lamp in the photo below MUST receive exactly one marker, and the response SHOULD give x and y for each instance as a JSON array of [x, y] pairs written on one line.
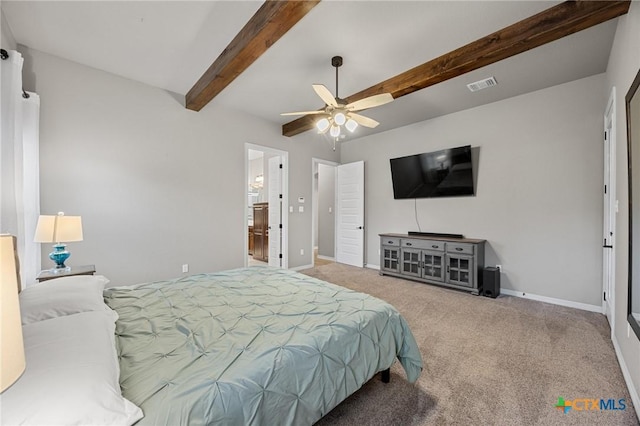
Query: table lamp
[[59, 229], [12, 359]]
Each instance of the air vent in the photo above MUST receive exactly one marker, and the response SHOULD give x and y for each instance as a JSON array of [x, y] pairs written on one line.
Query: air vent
[[482, 84]]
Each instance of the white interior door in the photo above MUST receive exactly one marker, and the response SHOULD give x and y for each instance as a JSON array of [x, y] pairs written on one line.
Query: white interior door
[[350, 214], [609, 212], [275, 211]]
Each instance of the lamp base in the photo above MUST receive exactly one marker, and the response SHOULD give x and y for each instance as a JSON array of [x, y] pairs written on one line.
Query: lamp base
[[55, 270], [59, 255]]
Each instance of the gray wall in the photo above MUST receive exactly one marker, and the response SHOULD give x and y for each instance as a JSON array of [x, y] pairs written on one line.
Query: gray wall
[[156, 185], [326, 210], [624, 63], [539, 175], [6, 37]]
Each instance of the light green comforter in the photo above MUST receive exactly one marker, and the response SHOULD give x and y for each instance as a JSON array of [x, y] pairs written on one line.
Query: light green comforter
[[256, 345]]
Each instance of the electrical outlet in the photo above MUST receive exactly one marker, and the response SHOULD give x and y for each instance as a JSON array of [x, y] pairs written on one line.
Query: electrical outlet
[[301, 252], [499, 267], [185, 267]]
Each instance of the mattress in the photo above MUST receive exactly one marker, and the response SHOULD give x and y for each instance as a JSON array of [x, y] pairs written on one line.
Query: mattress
[[254, 345]]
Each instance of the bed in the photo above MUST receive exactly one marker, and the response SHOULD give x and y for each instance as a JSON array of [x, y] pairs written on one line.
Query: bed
[[254, 345]]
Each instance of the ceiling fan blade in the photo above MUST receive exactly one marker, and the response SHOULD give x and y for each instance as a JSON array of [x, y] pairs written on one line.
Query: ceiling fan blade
[[362, 120], [325, 95], [304, 112], [370, 102]]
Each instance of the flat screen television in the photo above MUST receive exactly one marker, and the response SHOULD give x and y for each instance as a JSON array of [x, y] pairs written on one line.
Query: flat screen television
[[445, 173]]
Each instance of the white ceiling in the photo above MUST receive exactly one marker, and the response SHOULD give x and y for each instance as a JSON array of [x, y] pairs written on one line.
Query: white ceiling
[[169, 44]]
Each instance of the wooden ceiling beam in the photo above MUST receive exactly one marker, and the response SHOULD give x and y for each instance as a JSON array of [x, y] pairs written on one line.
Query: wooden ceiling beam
[[266, 26], [547, 26]]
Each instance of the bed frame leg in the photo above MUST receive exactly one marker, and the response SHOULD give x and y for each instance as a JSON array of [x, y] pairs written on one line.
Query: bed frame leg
[[386, 375]]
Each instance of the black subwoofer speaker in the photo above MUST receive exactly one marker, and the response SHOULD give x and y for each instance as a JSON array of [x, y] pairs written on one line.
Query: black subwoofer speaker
[[491, 282]]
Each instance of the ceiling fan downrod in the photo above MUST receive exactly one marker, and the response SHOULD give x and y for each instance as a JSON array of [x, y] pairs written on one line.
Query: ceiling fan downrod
[[336, 61]]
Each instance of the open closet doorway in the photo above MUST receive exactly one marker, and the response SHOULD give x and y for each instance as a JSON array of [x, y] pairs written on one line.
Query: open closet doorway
[[323, 207], [266, 221]]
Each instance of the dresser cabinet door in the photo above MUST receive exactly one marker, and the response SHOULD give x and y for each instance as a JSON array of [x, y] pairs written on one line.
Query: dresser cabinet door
[[433, 265], [460, 270], [390, 259]]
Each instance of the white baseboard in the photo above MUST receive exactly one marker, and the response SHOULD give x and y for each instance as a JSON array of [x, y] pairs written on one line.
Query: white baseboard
[[552, 300], [627, 376], [300, 268], [333, 259]]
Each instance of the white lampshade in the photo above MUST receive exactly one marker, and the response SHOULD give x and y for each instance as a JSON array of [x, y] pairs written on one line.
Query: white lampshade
[[322, 125], [339, 118], [334, 131], [58, 229], [351, 125], [11, 346]]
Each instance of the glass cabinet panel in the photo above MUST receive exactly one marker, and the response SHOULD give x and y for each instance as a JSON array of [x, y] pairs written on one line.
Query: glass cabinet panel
[[391, 259], [432, 266], [411, 262], [460, 270]]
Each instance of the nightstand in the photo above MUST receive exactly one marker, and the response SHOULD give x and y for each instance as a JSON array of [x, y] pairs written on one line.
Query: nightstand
[[74, 270]]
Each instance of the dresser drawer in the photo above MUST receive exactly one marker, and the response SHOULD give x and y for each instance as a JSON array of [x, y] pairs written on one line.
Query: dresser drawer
[[460, 248], [424, 244], [390, 241]]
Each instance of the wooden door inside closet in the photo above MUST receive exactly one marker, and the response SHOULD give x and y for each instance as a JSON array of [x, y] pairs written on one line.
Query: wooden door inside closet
[[261, 231]]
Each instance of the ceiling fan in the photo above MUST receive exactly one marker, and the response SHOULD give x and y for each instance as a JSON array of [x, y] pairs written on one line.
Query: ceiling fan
[[337, 112]]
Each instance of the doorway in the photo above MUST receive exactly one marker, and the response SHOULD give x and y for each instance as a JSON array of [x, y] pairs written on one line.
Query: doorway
[[323, 202], [609, 211], [340, 237], [266, 224]]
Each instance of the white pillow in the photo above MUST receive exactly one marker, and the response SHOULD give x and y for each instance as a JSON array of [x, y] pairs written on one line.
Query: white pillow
[[71, 376], [62, 296]]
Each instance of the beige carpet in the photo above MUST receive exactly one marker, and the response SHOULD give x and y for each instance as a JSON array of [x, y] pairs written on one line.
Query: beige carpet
[[486, 361], [317, 261]]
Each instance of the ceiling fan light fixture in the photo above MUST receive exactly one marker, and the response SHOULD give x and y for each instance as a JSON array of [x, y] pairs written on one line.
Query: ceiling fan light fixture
[[337, 113], [322, 125], [339, 118]]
